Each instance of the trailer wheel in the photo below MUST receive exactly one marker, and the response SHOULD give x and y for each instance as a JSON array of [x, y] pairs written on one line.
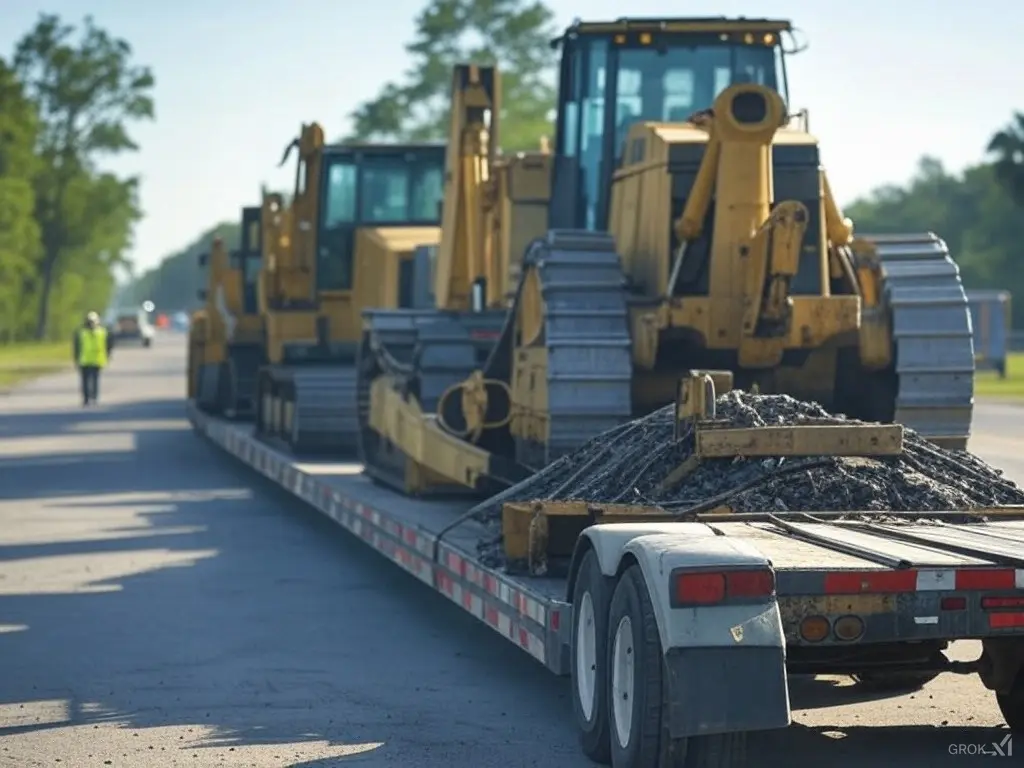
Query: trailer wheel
[[637, 694], [1012, 704], [588, 654]]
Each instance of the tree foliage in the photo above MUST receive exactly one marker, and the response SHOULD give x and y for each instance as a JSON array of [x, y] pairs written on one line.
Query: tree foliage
[[974, 212], [1007, 148], [515, 34], [175, 282], [67, 99], [19, 232]]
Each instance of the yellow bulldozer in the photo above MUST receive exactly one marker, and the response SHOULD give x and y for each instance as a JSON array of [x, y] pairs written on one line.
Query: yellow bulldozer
[[690, 226], [345, 243], [226, 336], [207, 334]]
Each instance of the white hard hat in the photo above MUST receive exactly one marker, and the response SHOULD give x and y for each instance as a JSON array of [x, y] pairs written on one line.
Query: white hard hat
[[92, 317]]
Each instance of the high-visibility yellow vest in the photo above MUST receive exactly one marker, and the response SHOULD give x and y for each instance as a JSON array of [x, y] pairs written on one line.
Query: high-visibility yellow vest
[[92, 346]]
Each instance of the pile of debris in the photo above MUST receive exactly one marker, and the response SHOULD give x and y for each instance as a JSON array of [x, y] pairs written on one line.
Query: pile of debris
[[629, 465]]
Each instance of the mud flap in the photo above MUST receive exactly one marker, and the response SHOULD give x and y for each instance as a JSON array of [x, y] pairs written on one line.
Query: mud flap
[[723, 690]]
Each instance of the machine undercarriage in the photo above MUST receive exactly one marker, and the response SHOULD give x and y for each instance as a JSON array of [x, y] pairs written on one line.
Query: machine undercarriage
[[591, 381]]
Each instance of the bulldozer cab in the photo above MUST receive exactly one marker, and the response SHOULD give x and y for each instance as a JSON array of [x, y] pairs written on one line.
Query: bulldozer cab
[[615, 74], [250, 258], [372, 186]]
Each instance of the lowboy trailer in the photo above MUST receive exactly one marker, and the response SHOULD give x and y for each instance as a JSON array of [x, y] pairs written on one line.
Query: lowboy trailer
[[679, 636]]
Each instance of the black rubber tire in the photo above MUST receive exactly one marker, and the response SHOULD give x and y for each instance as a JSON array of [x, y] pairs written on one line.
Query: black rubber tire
[[147, 343], [1012, 704], [649, 745], [894, 681], [230, 389], [206, 398], [594, 736]]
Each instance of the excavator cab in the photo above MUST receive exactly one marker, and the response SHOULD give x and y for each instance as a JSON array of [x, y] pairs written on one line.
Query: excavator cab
[[613, 75], [250, 258], [373, 188]]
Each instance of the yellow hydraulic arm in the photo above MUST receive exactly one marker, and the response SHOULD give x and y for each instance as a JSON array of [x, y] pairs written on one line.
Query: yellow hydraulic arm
[[464, 276], [756, 247], [279, 278], [289, 234]]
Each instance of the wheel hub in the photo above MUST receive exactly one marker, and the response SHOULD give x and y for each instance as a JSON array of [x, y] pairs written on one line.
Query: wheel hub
[[586, 656], [622, 680]]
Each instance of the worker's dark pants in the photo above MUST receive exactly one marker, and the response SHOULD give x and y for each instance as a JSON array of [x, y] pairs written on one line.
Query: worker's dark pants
[[90, 382]]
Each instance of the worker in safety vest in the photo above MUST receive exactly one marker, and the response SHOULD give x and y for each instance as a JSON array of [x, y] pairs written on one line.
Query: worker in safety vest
[[92, 348]]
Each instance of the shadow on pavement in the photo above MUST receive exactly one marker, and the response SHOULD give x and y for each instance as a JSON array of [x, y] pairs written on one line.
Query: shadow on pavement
[[73, 418], [824, 692]]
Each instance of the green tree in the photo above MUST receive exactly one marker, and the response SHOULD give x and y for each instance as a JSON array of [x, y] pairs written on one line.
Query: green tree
[[1007, 147], [87, 91], [19, 234], [973, 212], [173, 285], [514, 34]]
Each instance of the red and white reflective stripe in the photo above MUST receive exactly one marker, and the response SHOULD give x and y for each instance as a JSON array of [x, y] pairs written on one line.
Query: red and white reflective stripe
[[923, 580], [498, 588]]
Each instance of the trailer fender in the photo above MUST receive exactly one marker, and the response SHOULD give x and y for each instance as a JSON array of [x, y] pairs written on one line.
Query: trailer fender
[[725, 665], [609, 541]]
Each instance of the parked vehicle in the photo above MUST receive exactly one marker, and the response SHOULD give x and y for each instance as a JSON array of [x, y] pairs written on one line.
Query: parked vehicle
[[991, 319], [131, 325]]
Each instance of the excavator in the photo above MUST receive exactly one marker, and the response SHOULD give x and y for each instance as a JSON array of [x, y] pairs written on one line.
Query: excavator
[[493, 206], [691, 226], [345, 243], [227, 334]]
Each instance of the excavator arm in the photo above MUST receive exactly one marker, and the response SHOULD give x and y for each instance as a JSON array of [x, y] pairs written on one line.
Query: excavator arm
[[289, 233], [463, 275], [276, 244]]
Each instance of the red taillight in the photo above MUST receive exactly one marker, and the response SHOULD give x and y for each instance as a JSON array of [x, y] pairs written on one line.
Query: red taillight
[[712, 587], [700, 588], [1002, 602]]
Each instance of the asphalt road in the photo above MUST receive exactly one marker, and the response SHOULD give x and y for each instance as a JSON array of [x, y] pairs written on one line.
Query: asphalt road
[[160, 606]]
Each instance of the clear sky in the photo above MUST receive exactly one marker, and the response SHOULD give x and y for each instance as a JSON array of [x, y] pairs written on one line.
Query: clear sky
[[885, 82]]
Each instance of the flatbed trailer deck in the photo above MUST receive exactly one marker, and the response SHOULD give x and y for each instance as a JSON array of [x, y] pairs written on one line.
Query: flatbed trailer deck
[[933, 583], [530, 612]]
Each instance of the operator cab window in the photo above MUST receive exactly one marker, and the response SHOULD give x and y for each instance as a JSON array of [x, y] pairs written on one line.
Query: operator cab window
[[665, 81], [340, 203], [337, 217], [402, 190], [374, 189]]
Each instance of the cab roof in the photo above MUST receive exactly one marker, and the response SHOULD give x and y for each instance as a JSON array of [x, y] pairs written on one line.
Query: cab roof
[[694, 24], [377, 148]]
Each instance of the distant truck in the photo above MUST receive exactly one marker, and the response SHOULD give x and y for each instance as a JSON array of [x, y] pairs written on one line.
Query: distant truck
[[990, 317], [131, 325]]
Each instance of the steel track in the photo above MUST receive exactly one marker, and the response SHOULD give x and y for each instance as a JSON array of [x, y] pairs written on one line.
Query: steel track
[[586, 333], [934, 343]]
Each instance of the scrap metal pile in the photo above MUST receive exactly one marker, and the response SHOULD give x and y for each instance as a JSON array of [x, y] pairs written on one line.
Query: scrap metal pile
[[630, 465]]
